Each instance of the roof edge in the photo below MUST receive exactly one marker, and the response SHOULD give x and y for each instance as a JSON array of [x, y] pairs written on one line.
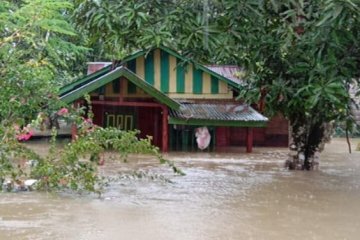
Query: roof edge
[[210, 122], [76, 93]]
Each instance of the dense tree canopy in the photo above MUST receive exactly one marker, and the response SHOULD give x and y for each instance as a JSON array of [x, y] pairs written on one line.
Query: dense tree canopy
[[300, 56], [38, 50], [38, 45], [301, 61]]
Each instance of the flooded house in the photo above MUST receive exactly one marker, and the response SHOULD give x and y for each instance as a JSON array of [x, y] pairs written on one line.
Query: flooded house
[[172, 99]]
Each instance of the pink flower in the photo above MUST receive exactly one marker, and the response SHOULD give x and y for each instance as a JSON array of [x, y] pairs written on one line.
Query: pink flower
[[63, 111], [24, 136], [88, 120]]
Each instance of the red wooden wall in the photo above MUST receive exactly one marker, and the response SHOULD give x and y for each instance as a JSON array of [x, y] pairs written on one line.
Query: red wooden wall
[[149, 123], [274, 135]]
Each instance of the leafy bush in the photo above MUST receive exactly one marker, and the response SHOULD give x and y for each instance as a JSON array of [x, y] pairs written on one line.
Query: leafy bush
[[71, 167]]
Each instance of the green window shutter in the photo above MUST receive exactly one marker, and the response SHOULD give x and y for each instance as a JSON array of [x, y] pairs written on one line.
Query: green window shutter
[[180, 77], [149, 69], [164, 72], [197, 81], [131, 88], [214, 85], [115, 86], [100, 90], [131, 65]]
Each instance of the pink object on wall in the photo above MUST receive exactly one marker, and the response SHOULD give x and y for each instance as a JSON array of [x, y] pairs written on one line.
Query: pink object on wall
[[203, 137]]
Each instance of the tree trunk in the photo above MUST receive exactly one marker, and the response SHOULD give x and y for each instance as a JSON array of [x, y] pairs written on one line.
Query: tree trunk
[[308, 139]]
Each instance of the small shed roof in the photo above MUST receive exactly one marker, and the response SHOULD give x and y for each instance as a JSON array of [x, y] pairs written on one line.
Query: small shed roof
[[231, 72], [237, 115]]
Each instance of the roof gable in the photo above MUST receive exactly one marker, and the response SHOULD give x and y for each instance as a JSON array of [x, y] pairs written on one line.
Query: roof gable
[[100, 78], [144, 53], [184, 59]]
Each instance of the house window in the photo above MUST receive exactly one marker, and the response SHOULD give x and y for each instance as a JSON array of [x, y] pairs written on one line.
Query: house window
[[131, 87], [116, 86]]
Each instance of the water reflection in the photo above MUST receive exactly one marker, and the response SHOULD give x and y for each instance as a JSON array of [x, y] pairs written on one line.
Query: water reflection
[[223, 196]]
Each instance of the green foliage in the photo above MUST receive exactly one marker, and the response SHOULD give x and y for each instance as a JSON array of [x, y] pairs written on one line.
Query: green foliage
[[37, 48], [72, 166], [115, 29], [301, 58]]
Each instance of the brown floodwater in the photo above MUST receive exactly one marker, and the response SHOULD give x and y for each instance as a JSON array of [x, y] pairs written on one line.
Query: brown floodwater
[[230, 195]]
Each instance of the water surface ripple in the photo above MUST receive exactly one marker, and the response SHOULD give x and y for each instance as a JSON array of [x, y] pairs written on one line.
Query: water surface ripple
[[222, 196]]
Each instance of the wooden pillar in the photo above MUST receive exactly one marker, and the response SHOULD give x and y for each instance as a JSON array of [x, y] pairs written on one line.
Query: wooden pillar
[[156, 140], [249, 139], [165, 129], [73, 132]]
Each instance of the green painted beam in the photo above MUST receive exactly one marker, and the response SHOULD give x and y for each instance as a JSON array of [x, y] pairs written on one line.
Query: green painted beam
[[91, 86], [180, 77], [209, 122], [149, 52], [97, 74], [197, 81], [214, 85], [115, 74], [161, 97], [164, 72], [115, 86], [80, 81], [201, 67], [131, 88], [150, 69], [136, 55], [131, 65]]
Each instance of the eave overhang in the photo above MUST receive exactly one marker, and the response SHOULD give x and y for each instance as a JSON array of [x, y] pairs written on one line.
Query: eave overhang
[[77, 90]]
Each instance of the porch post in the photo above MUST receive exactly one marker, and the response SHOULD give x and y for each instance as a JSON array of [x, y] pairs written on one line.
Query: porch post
[[249, 139], [73, 131], [165, 134]]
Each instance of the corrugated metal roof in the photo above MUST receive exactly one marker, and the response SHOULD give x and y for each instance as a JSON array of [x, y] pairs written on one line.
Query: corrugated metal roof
[[218, 112], [231, 72]]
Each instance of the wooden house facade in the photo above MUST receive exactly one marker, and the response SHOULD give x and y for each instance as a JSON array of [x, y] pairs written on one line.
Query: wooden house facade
[[167, 97]]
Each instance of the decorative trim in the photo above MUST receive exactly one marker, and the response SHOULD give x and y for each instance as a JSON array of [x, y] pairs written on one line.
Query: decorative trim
[[225, 123], [199, 66], [114, 74], [148, 71], [80, 81]]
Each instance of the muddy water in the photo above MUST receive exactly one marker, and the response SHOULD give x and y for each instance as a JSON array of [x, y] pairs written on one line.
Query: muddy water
[[223, 196]]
